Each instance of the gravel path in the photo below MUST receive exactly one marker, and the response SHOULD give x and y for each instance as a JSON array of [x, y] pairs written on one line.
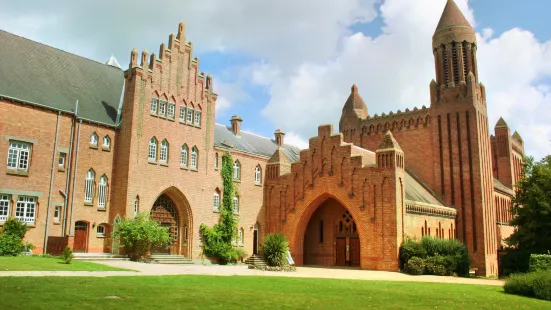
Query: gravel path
[[142, 269]]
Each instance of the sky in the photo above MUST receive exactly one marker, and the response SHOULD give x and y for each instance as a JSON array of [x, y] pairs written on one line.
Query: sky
[[290, 64]]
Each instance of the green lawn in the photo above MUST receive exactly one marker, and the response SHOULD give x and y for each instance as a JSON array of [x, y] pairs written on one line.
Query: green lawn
[[240, 292], [39, 263]]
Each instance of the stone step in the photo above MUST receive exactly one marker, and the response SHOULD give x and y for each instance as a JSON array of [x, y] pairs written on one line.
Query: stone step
[[100, 257], [171, 259]]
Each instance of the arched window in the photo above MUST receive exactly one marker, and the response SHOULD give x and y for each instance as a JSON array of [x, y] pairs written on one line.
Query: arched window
[[100, 231], [241, 236], [106, 142], [235, 204], [197, 119], [154, 104], [216, 201], [89, 186], [194, 157], [182, 113], [257, 175], [102, 192], [136, 206], [163, 155], [236, 170], [153, 149], [94, 139], [184, 156], [216, 161]]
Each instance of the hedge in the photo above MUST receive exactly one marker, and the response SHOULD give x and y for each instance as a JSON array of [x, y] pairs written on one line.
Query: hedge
[[540, 262], [532, 284]]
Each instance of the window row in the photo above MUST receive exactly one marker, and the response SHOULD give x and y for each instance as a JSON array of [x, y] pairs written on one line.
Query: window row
[[237, 170], [94, 140], [163, 108], [216, 202], [25, 208], [89, 189], [187, 159]]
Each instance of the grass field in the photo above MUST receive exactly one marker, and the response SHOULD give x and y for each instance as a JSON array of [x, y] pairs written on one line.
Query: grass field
[[38, 263], [239, 292]]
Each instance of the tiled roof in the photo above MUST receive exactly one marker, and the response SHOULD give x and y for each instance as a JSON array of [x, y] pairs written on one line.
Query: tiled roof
[[251, 143], [417, 192], [39, 74]]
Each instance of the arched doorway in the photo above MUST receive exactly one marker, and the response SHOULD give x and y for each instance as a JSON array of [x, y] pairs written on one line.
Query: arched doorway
[[255, 239], [81, 237], [331, 237], [165, 212]]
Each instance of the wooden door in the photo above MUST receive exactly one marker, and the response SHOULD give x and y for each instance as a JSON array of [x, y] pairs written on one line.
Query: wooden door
[[255, 241], [341, 252], [81, 237], [354, 251]]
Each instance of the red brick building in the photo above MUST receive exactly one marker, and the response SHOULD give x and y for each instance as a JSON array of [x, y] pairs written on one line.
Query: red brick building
[[104, 144]]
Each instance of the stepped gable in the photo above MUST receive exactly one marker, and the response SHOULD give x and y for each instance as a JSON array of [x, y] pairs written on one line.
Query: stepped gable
[[41, 75]]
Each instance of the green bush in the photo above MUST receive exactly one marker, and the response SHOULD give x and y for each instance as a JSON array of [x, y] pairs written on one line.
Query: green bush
[[139, 234], [514, 261], [532, 284], [442, 256], [67, 255], [14, 227], [240, 253], [539, 262], [415, 266], [11, 238], [275, 249]]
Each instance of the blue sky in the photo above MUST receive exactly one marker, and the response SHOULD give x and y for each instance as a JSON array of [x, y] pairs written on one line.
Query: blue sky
[[290, 64]]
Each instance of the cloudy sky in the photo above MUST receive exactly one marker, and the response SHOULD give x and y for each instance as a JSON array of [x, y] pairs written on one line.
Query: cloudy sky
[[290, 64]]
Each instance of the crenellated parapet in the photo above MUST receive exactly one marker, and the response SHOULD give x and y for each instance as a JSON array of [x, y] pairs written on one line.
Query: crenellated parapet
[[399, 121], [416, 207]]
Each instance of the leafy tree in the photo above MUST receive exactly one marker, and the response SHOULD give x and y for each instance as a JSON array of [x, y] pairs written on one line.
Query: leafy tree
[[532, 208], [217, 241], [11, 238], [139, 234]]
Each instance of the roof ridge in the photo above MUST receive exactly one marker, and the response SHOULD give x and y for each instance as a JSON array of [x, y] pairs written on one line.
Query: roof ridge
[[257, 135], [58, 49]]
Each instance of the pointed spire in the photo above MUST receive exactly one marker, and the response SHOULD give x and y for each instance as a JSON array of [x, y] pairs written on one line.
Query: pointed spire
[[501, 123], [389, 142], [517, 136], [356, 103], [452, 17]]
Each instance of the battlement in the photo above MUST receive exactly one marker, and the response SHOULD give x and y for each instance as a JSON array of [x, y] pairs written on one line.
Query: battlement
[[410, 119]]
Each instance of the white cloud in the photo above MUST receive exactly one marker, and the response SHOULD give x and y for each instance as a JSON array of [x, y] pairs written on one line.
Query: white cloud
[[292, 138], [393, 71]]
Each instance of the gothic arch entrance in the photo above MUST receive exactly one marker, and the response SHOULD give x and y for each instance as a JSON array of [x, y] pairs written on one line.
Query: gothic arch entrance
[[331, 237], [171, 215]]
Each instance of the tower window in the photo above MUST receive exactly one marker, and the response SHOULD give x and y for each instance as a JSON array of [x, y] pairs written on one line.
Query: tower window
[[446, 64], [455, 64], [465, 60]]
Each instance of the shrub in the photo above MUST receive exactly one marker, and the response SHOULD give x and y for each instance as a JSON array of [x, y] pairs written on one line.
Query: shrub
[[415, 266], [275, 249], [539, 262], [532, 284], [240, 253], [14, 227], [443, 256], [11, 238], [139, 234], [514, 261], [67, 255]]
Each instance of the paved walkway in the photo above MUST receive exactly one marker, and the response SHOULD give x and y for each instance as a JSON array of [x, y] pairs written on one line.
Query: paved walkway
[[143, 269]]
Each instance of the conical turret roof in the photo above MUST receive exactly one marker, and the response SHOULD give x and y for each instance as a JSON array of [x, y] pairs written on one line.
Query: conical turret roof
[[452, 17], [355, 102], [501, 123]]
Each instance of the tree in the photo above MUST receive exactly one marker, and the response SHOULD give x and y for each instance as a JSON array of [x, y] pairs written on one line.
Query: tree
[[532, 208], [139, 234], [11, 238], [217, 241]]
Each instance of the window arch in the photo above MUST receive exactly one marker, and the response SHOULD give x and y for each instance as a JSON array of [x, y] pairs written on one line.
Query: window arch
[[94, 139], [216, 161], [106, 142], [197, 118], [154, 104], [184, 156], [100, 230], [89, 186], [235, 204], [163, 154], [241, 236], [257, 175], [153, 149], [102, 192], [136, 205], [216, 201], [236, 170], [194, 158]]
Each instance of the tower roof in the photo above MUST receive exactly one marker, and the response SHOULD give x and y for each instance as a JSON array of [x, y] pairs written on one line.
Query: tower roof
[[517, 137], [452, 17], [389, 142], [501, 123], [112, 61], [356, 103]]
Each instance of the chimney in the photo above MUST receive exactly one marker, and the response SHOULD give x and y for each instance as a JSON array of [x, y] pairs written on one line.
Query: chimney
[[236, 124], [279, 135]]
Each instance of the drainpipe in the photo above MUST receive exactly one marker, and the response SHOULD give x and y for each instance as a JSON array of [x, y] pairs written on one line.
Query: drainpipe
[[71, 229], [45, 248], [68, 180]]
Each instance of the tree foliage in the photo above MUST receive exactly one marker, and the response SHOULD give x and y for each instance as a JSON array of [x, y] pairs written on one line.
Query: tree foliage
[[139, 234], [532, 208], [11, 238], [217, 241]]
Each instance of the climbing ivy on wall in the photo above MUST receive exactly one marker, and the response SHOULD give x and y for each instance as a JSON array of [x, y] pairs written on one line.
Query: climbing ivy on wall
[[217, 241]]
